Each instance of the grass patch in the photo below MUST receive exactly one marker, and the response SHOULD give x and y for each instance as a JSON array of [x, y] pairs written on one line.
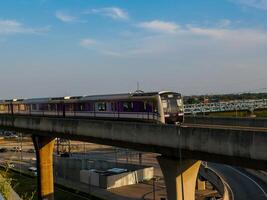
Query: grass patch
[[26, 187], [23, 185], [261, 113], [229, 114], [258, 113], [5, 185]]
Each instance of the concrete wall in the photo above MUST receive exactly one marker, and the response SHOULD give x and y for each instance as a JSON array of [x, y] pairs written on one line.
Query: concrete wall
[[232, 121], [89, 177], [245, 148], [129, 178], [78, 170], [116, 180], [105, 165], [68, 169]]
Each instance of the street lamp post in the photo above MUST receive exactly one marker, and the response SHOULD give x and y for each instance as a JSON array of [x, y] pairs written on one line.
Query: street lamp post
[[154, 190], [20, 165]]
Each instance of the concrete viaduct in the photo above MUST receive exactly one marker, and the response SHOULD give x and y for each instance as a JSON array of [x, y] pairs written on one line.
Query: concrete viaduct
[[181, 148]]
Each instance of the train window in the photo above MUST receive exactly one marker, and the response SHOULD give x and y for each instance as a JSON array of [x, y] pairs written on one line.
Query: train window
[[113, 106], [81, 107], [43, 106], [15, 107], [34, 107], [52, 107], [149, 107], [22, 107], [2, 107], [164, 103], [102, 106], [69, 107], [127, 106], [179, 102], [87, 107]]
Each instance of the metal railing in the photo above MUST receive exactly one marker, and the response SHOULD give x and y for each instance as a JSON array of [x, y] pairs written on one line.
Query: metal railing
[[237, 105]]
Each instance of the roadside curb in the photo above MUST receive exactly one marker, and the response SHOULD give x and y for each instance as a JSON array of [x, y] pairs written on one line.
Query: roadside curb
[[258, 174], [217, 181]]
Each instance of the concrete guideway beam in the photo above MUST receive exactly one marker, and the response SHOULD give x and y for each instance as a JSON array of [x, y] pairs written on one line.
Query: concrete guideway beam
[[44, 153], [180, 177], [244, 147]]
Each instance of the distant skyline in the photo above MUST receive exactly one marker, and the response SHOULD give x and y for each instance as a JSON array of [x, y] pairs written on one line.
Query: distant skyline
[[81, 47]]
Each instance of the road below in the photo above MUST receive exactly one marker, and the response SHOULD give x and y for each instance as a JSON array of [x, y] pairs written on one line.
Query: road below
[[244, 185]]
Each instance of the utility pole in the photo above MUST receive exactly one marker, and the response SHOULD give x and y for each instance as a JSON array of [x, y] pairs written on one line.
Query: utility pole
[[140, 158], [84, 152], [57, 145], [69, 145], [127, 159], [116, 156], [20, 165]]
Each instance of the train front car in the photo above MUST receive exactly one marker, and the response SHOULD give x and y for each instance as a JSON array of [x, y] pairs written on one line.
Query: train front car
[[173, 107]]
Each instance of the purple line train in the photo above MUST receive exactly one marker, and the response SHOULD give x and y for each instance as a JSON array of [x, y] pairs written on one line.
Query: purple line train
[[160, 107]]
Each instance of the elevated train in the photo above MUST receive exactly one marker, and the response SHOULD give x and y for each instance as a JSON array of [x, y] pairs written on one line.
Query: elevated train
[[158, 107]]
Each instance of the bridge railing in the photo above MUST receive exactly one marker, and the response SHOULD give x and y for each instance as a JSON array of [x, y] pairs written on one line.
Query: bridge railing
[[237, 105], [217, 181]]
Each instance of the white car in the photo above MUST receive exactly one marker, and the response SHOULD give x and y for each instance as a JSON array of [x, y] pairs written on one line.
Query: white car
[[10, 165], [33, 170]]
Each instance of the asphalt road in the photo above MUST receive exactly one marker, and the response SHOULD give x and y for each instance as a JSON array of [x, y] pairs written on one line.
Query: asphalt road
[[244, 185]]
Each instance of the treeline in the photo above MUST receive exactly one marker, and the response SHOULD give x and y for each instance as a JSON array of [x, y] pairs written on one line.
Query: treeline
[[223, 97]]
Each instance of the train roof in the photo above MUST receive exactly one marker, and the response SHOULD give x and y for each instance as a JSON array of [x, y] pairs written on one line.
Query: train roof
[[137, 94], [9, 100], [119, 96], [38, 100], [48, 99]]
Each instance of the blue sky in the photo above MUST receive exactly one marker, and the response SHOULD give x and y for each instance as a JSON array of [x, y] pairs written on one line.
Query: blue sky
[[79, 47]]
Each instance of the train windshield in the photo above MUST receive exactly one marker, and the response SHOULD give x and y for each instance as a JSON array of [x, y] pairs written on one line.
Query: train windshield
[[172, 102]]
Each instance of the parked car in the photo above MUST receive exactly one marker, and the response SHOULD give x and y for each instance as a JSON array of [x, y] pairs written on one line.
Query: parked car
[[2, 150], [10, 165], [16, 149], [33, 170], [13, 136], [30, 151], [65, 154]]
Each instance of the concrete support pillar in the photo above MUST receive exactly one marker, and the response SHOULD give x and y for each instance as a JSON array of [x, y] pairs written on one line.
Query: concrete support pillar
[[44, 153], [180, 177]]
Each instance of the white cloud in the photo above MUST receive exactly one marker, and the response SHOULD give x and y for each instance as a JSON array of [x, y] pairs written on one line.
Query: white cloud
[[224, 23], [14, 27], [112, 53], [189, 41], [235, 35], [87, 42], [104, 48], [159, 26], [113, 12], [64, 17], [259, 4], [209, 32]]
